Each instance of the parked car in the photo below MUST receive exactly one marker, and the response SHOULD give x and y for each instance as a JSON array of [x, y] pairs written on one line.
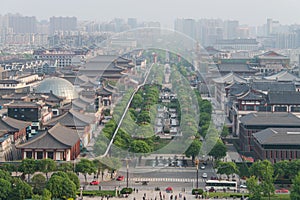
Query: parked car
[[282, 190], [243, 186], [94, 182], [202, 167], [120, 178], [204, 175], [211, 189]]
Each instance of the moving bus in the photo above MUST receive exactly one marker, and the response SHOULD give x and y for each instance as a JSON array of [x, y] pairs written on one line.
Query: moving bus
[[221, 184]]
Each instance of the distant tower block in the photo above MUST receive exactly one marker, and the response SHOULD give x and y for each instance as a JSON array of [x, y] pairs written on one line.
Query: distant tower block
[[299, 66], [167, 56]]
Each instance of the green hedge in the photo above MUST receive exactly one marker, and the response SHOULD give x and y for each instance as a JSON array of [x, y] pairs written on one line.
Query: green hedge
[[126, 191], [197, 191], [97, 193]]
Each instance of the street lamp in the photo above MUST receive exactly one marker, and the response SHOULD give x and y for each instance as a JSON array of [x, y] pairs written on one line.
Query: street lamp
[[127, 173], [81, 188], [197, 168]]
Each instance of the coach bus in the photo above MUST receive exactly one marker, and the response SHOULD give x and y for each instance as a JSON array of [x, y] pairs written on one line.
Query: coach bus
[[221, 184]]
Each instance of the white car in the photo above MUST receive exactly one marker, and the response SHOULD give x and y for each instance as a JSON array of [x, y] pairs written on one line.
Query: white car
[[243, 186], [204, 175], [202, 167]]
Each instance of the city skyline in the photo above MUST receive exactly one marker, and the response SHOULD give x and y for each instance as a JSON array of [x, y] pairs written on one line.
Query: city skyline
[[247, 12]]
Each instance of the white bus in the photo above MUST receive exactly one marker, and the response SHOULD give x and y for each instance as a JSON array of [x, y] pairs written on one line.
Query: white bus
[[220, 185]]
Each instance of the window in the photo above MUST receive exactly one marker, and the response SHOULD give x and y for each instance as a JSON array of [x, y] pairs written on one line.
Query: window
[[28, 154], [50, 155], [295, 109], [280, 109], [39, 155]]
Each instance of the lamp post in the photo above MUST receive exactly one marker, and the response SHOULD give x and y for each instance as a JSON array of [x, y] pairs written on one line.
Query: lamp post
[[197, 168], [127, 173], [81, 188]]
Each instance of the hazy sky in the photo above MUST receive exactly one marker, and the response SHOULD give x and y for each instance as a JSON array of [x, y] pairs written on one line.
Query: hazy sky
[[252, 12]]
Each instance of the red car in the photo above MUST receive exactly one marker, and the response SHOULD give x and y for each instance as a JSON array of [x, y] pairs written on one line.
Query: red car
[[120, 178], [282, 190], [94, 182]]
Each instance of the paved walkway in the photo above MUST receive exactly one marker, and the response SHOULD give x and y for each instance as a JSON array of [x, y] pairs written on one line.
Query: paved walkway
[[150, 195]]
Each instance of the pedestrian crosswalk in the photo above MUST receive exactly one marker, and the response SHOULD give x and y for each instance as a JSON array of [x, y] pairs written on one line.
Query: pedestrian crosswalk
[[182, 180]]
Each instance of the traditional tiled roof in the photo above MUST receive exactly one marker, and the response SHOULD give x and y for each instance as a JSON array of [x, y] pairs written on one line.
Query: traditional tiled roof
[[278, 136], [72, 119], [272, 55], [8, 125], [275, 119], [251, 95], [229, 79], [283, 76], [273, 86], [284, 97], [58, 137], [104, 91], [237, 68], [238, 89]]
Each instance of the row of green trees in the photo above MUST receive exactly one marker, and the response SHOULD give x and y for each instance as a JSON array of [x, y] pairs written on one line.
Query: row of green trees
[[264, 174], [63, 183], [60, 185]]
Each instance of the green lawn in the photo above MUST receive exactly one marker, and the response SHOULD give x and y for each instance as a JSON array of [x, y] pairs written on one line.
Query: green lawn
[[278, 197], [230, 194]]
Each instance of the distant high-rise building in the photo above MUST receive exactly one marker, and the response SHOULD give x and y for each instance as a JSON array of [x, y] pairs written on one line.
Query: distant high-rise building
[[269, 26], [62, 24], [231, 29], [22, 24], [132, 22], [186, 26], [286, 40]]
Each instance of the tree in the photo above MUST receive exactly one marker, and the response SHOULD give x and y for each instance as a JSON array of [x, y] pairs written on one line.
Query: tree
[[140, 146], [225, 132], [20, 190], [137, 101], [74, 178], [5, 189], [295, 191], [85, 167], [144, 117], [46, 195], [100, 167], [219, 150], [5, 175], [194, 149], [46, 166], [28, 166], [280, 168], [227, 168], [65, 167], [9, 167], [38, 183], [61, 187], [293, 168], [264, 170], [254, 188]]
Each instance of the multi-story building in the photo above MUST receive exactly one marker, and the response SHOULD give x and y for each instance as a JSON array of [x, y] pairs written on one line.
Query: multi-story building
[[22, 24], [255, 122], [63, 24], [58, 143], [276, 144]]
